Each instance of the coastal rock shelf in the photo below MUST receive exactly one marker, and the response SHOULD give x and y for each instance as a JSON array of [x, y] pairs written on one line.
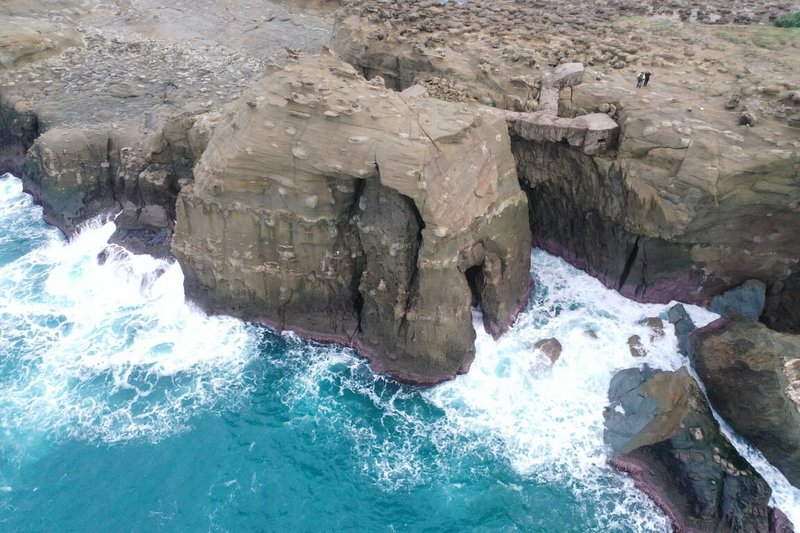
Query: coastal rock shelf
[[682, 201], [339, 209]]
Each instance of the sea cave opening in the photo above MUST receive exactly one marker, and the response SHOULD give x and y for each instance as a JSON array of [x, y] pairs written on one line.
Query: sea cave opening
[[476, 281]]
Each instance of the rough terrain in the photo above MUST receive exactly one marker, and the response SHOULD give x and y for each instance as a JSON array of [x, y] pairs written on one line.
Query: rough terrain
[[114, 101], [342, 210], [684, 189], [702, 191], [752, 376], [662, 433]]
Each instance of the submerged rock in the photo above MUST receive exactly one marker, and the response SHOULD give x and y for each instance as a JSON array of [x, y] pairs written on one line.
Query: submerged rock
[[334, 207], [661, 432], [551, 348], [635, 346], [752, 375]]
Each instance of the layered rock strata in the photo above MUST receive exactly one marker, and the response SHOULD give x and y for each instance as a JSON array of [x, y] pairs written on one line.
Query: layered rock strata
[[662, 433], [752, 376], [688, 203], [334, 207]]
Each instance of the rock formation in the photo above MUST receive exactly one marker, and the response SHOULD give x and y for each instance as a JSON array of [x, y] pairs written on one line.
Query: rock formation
[[752, 376], [104, 111], [334, 207], [662, 433], [687, 204]]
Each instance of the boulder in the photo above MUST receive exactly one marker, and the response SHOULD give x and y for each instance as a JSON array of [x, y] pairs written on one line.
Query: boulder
[[635, 346], [551, 348], [743, 302], [331, 206], [752, 376], [661, 432], [25, 39]]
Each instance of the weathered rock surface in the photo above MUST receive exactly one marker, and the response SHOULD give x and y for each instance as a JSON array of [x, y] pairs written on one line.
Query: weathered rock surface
[[662, 433], [687, 204], [550, 348], [752, 376], [334, 207], [105, 108], [29, 39]]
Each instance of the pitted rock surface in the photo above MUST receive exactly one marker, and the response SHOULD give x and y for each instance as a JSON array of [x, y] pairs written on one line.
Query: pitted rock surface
[[338, 208], [688, 203]]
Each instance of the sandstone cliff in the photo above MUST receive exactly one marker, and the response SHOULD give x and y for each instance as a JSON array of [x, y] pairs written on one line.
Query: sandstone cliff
[[701, 191], [105, 110], [337, 208]]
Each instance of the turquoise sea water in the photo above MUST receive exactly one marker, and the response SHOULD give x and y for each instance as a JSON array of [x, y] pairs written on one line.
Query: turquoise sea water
[[123, 408]]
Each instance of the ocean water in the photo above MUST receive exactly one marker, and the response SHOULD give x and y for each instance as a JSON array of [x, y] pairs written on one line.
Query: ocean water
[[125, 408]]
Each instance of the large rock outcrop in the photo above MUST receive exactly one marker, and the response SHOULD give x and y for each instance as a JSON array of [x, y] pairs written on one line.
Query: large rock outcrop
[[659, 221], [334, 207], [688, 204], [661, 432], [752, 375]]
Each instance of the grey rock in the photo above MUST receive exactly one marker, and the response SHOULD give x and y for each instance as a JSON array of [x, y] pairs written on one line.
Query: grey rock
[[661, 432], [743, 302]]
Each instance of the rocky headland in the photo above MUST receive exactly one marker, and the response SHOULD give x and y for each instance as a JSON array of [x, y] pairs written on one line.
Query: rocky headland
[[345, 211], [372, 193]]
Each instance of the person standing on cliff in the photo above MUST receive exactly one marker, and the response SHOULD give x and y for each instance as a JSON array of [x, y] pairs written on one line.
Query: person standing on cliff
[[647, 75], [639, 80]]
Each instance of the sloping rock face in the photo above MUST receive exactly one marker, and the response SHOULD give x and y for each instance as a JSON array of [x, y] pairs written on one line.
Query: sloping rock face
[[334, 207], [752, 375], [713, 227], [661, 432]]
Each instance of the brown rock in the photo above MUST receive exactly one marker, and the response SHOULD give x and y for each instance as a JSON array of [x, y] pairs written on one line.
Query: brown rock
[[662, 433], [752, 375], [375, 228], [635, 346], [550, 347]]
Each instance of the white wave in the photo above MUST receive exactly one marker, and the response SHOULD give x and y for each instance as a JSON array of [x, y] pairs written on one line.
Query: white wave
[[550, 420], [107, 350], [546, 423]]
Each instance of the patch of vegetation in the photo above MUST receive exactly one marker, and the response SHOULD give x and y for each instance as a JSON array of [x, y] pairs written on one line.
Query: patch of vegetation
[[788, 21], [732, 37], [767, 37], [657, 25]]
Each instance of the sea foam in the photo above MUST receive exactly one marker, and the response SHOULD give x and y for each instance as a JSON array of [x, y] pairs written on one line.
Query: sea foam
[[106, 347]]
